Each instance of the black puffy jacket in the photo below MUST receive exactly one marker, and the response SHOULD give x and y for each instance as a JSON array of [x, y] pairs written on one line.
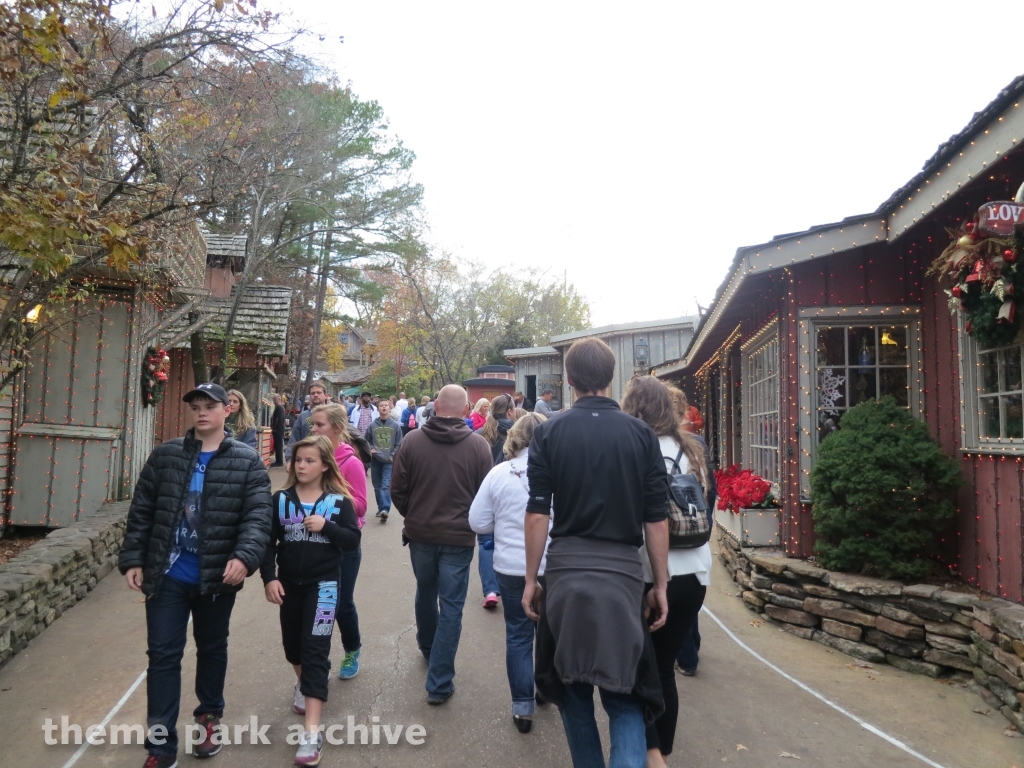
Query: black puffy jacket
[[235, 521]]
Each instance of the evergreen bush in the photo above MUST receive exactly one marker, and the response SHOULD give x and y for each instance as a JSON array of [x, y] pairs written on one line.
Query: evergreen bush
[[883, 493]]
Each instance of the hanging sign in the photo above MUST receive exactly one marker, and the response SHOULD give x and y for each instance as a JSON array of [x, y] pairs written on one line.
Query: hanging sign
[[1000, 218]]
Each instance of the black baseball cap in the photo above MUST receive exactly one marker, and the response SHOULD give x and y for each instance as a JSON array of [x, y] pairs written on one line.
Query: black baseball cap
[[367, 394], [210, 390]]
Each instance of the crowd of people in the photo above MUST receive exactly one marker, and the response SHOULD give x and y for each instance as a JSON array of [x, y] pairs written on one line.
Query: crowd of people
[[574, 515]]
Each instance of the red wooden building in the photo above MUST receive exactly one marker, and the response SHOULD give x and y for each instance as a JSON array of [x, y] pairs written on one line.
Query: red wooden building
[[812, 323]]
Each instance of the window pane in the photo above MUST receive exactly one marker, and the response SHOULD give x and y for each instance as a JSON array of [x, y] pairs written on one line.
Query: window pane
[[831, 389], [862, 385], [988, 373], [831, 346], [1012, 408], [892, 347], [893, 381], [989, 426], [862, 346], [1011, 369]]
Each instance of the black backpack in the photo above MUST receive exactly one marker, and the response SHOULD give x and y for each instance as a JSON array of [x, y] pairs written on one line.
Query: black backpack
[[689, 524]]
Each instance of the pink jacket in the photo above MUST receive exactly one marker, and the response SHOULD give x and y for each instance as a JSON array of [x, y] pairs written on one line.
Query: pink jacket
[[478, 420], [354, 472]]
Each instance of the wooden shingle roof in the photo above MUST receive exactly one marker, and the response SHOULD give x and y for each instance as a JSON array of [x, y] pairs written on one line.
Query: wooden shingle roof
[[262, 319], [226, 250]]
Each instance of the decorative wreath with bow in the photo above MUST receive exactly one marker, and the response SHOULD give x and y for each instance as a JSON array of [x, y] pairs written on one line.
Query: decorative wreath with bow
[[983, 263], [154, 375]]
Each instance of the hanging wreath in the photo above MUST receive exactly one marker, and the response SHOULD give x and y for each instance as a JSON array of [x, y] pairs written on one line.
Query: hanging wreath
[[983, 262], [154, 375]]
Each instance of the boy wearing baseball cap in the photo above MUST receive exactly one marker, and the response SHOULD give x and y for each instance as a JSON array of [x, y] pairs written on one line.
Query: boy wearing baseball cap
[[198, 525]]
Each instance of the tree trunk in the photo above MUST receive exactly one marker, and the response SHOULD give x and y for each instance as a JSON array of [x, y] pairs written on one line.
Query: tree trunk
[[200, 372], [318, 316]]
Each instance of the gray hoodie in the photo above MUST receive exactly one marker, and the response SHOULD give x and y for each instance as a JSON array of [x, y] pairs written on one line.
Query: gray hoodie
[[384, 437]]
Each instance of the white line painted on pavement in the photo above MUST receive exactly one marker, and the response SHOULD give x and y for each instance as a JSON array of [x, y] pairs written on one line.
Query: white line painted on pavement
[[865, 725], [107, 719]]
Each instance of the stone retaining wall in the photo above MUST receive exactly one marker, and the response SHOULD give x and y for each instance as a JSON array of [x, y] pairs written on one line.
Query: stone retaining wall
[[38, 585], [917, 628]]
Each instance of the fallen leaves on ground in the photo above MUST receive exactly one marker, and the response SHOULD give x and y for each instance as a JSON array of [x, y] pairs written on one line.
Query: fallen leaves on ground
[[740, 746], [1009, 732], [981, 711], [790, 755], [756, 622]]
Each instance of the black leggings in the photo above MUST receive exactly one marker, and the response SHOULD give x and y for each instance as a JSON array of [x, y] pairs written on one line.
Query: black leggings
[[307, 622], [685, 597]]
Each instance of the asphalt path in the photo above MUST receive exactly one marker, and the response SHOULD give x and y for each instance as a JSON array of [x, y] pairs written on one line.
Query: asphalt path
[[761, 697]]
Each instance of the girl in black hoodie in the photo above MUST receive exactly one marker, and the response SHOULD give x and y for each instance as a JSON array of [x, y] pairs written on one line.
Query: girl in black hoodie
[[313, 523]]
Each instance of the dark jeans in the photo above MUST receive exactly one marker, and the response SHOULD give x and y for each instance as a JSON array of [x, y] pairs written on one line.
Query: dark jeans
[[307, 623], [485, 565], [519, 633], [688, 657], [685, 597], [279, 447], [380, 476], [442, 580], [167, 614], [625, 727], [346, 618]]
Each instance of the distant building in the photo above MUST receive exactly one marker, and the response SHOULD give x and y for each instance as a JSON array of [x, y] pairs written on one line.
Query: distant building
[[491, 381], [359, 344], [540, 368]]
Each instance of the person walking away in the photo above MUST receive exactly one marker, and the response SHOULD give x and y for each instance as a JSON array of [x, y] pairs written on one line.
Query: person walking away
[[401, 404], [277, 430], [543, 405], [494, 431], [424, 402], [408, 418], [499, 509], [523, 402], [689, 652], [241, 422], [436, 474], [479, 414], [332, 422], [689, 570], [198, 524], [301, 426], [363, 414], [314, 523], [604, 473], [384, 436]]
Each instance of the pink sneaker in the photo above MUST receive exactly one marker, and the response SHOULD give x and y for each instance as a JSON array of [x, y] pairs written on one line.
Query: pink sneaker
[[491, 601]]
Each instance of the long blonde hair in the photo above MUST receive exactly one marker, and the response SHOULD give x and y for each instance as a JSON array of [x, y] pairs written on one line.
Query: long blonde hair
[[243, 420], [337, 418], [481, 406], [521, 434], [649, 400], [500, 407], [331, 481]]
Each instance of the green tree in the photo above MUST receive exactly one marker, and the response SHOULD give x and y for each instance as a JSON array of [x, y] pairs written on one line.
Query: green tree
[[883, 493]]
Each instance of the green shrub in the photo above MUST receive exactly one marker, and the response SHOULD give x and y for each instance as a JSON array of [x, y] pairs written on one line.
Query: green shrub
[[883, 492]]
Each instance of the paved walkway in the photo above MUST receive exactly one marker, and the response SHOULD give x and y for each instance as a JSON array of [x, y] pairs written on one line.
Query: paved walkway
[[737, 711]]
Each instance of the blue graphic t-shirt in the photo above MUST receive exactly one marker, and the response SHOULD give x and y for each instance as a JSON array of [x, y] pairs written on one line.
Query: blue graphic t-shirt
[[185, 557]]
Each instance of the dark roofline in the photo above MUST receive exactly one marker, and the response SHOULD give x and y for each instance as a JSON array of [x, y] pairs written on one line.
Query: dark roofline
[[480, 381]]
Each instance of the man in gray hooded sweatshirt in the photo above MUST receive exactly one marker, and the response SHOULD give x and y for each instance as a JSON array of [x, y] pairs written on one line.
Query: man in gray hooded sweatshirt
[[384, 436]]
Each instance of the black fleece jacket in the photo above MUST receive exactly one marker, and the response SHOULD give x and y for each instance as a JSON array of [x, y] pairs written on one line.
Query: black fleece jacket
[[303, 556], [235, 521]]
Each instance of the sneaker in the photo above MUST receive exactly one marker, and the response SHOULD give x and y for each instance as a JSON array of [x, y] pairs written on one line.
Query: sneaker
[[349, 665], [686, 672], [383, 516], [298, 702], [207, 747], [161, 761], [436, 699], [310, 749], [378, 513], [491, 601]]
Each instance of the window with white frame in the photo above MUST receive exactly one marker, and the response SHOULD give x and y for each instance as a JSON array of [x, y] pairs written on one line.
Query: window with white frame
[[761, 398], [993, 395], [850, 355]]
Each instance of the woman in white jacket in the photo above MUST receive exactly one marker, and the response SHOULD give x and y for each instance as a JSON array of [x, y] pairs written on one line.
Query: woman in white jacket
[[500, 508], [689, 570]]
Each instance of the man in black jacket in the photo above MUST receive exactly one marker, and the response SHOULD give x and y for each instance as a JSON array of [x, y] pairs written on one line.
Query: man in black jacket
[[199, 523], [277, 431]]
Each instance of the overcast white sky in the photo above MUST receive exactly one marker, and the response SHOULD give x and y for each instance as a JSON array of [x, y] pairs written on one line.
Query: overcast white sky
[[636, 146]]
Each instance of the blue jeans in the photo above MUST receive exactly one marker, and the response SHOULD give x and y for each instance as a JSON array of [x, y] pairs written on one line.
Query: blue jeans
[[380, 476], [485, 565], [625, 725], [687, 657], [442, 580], [167, 614], [519, 634], [345, 617]]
